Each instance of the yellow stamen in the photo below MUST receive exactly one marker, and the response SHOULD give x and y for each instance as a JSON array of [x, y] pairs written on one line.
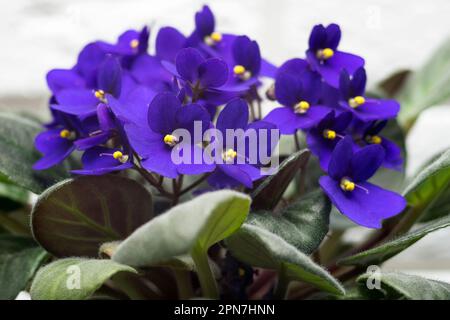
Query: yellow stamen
[[66, 134], [238, 69], [134, 43], [170, 140], [118, 155], [100, 95], [356, 101], [229, 155], [347, 185], [325, 54], [216, 36], [301, 107], [329, 134], [374, 139], [241, 272]]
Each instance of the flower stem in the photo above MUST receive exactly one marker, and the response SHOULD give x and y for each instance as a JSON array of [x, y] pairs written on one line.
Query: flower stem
[[205, 275], [282, 286]]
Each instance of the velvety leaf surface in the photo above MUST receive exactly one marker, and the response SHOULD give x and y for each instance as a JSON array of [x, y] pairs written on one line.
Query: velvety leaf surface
[[426, 87], [73, 278], [269, 192], [303, 224], [403, 286], [429, 187], [12, 196], [19, 260], [18, 154], [379, 254], [261, 248], [74, 217], [201, 222]]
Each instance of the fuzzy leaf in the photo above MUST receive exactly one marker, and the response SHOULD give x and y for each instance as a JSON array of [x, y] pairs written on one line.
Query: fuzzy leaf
[[261, 248], [73, 278], [74, 217]]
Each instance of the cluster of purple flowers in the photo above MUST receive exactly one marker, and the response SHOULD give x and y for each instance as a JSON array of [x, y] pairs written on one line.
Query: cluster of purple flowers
[[121, 105]]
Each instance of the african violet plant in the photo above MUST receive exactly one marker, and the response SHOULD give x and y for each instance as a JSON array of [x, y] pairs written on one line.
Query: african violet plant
[[179, 194]]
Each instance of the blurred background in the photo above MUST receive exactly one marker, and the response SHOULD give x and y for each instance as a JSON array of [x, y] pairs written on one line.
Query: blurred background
[[38, 35]]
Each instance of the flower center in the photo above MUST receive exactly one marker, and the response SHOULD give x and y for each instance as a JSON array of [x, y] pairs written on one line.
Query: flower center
[[325, 54], [134, 43], [100, 95], [374, 139], [347, 185], [355, 102], [213, 38], [229, 155], [301, 107], [241, 72], [170, 140], [119, 156], [66, 134], [329, 134]]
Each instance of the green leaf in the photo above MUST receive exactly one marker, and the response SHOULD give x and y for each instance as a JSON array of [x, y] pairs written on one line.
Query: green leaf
[[19, 260], [73, 278], [199, 223], [74, 217], [426, 189], [403, 286], [261, 248], [18, 154], [379, 254], [12, 197], [267, 194], [426, 87], [302, 224]]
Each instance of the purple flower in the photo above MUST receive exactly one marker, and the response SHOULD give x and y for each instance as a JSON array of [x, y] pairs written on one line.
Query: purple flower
[[155, 141], [324, 57], [57, 143], [84, 101], [101, 160], [371, 135], [168, 42], [351, 98], [298, 89], [129, 43], [347, 187], [235, 168], [322, 139]]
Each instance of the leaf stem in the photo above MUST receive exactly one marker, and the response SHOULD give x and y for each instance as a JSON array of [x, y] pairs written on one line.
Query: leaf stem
[[205, 275], [281, 289], [184, 285], [194, 184]]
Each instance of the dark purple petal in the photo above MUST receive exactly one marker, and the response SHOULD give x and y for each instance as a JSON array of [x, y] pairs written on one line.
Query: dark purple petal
[[263, 130], [149, 71], [192, 114], [105, 117], [196, 163], [367, 207], [341, 158], [374, 109], [100, 160], [88, 62], [333, 36], [213, 73], [76, 101], [110, 76], [233, 116], [393, 155], [321, 147], [54, 148], [342, 121], [60, 79], [285, 119], [162, 113], [235, 173], [365, 162], [160, 162], [168, 42], [288, 89], [92, 141], [246, 53], [143, 140], [204, 22], [359, 82], [317, 38], [268, 69], [294, 67], [187, 62]]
